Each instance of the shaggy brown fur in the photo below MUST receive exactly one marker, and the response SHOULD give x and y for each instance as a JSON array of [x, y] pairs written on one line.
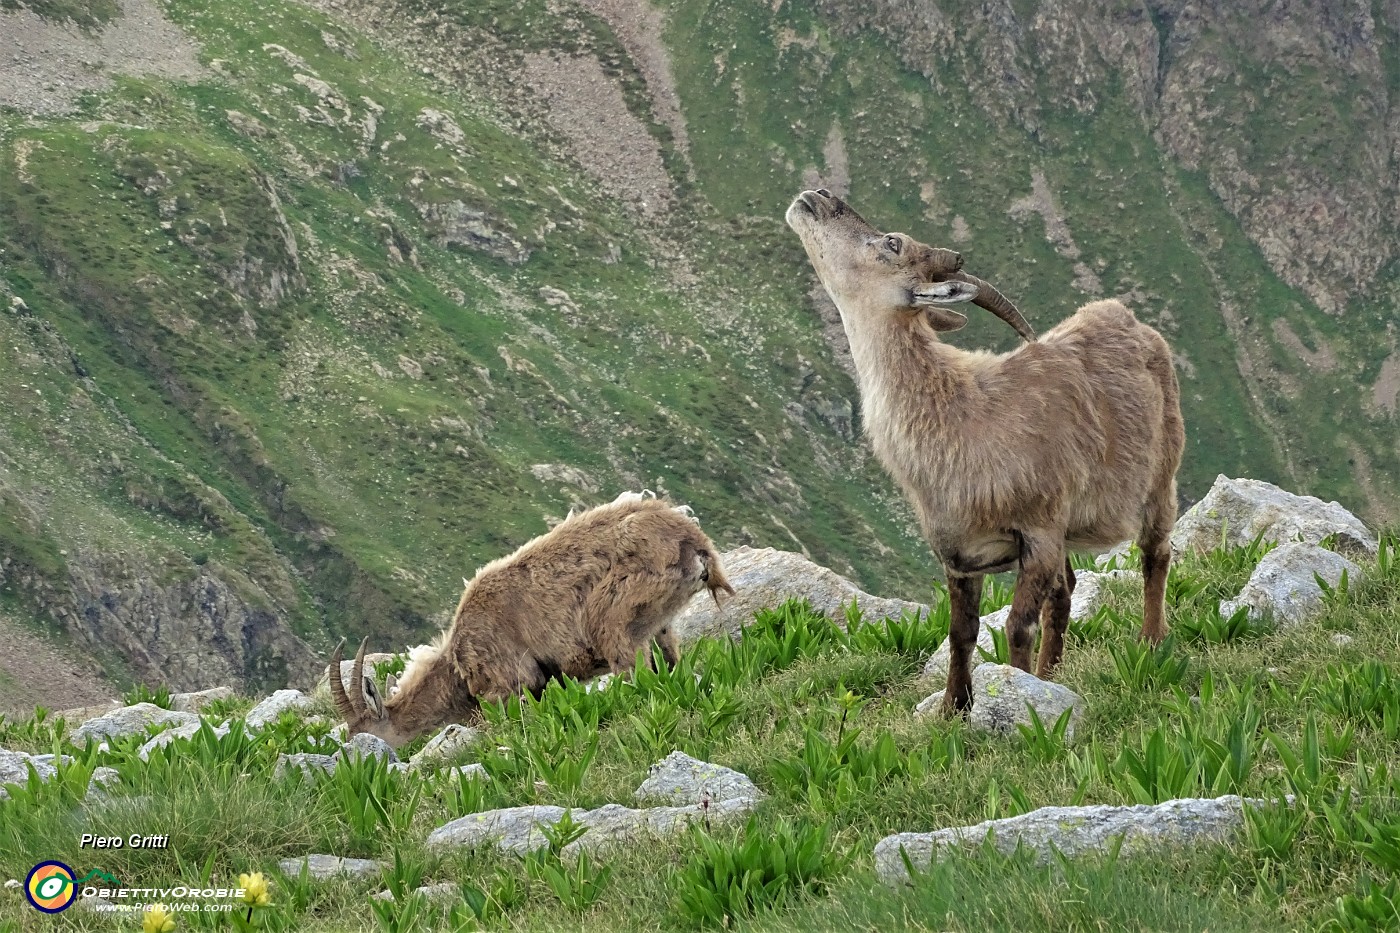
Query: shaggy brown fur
[[1071, 442], [582, 599]]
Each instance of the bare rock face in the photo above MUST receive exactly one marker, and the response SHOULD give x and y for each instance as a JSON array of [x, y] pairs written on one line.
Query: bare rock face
[[179, 732], [455, 224], [1072, 831], [1236, 511], [764, 578], [1283, 587], [185, 633], [366, 745]]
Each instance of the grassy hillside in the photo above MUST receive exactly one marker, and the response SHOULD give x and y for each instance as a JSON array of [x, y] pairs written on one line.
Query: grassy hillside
[[294, 326]]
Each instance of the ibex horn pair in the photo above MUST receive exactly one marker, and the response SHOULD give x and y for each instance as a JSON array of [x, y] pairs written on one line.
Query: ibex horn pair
[[944, 264], [344, 703]]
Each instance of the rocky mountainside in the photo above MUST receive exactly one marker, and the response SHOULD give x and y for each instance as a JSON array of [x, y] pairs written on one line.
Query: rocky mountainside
[[309, 309]]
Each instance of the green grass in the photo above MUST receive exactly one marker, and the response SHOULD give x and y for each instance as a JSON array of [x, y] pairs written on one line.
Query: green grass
[[820, 717]]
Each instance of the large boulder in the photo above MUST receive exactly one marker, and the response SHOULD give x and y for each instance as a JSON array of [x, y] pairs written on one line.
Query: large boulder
[[454, 739], [131, 720], [1284, 585], [764, 578], [679, 779], [196, 701], [1239, 510], [1072, 831]]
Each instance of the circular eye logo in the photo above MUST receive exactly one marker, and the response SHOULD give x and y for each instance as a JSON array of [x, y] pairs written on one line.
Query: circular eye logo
[[50, 887]]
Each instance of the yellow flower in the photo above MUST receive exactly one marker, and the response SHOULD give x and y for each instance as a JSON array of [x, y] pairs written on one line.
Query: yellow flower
[[156, 920], [254, 889]]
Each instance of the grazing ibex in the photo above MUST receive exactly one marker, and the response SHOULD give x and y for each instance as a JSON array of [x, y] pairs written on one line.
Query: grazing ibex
[[1067, 443], [582, 599]]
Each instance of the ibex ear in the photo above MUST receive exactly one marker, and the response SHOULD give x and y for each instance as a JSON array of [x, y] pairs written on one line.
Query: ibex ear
[[372, 701]]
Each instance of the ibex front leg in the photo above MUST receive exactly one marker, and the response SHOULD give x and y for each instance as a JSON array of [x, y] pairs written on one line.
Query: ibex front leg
[[1041, 568], [964, 602]]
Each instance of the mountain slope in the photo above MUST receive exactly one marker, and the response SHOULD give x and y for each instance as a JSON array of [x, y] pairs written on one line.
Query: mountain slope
[[298, 340]]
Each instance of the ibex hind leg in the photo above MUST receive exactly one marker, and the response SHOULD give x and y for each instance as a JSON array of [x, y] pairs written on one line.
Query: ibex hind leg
[[1041, 575], [1155, 543], [1054, 620]]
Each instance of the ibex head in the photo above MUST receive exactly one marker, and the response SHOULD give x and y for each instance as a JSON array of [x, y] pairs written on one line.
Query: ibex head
[[863, 268], [370, 713]]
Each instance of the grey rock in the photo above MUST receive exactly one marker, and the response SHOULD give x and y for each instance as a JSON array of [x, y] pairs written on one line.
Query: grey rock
[[474, 770], [518, 829], [447, 744], [1342, 639], [364, 745], [270, 708], [1002, 696], [131, 720], [1240, 509], [103, 779], [764, 578], [179, 732], [196, 701], [1283, 587], [14, 769], [442, 891], [1072, 831], [324, 867], [679, 780], [305, 762]]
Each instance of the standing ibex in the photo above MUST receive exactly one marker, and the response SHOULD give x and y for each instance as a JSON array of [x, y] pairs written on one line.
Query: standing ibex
[[1070, 442], [579, 600]]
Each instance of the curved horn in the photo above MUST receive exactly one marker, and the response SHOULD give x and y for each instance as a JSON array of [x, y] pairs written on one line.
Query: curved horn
[[943, 261], [994, 301], [357, 675], [343, 703]]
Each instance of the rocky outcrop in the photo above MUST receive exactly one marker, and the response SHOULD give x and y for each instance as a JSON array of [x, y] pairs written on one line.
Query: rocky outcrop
[[1236, 511], [1072, 831], [324, 867], [764, 578], [447, 744], [271, 707], [184, 633], [1283, 587], [454, 224]]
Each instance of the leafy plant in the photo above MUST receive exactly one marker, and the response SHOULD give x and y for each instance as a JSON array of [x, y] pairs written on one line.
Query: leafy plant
[[1210, 627], [1001, 648], [727, 881], [1142, 665], [1271, 829], [373, 801], [144, 694], [1372, 907], [578, 882], [1043, 744]]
